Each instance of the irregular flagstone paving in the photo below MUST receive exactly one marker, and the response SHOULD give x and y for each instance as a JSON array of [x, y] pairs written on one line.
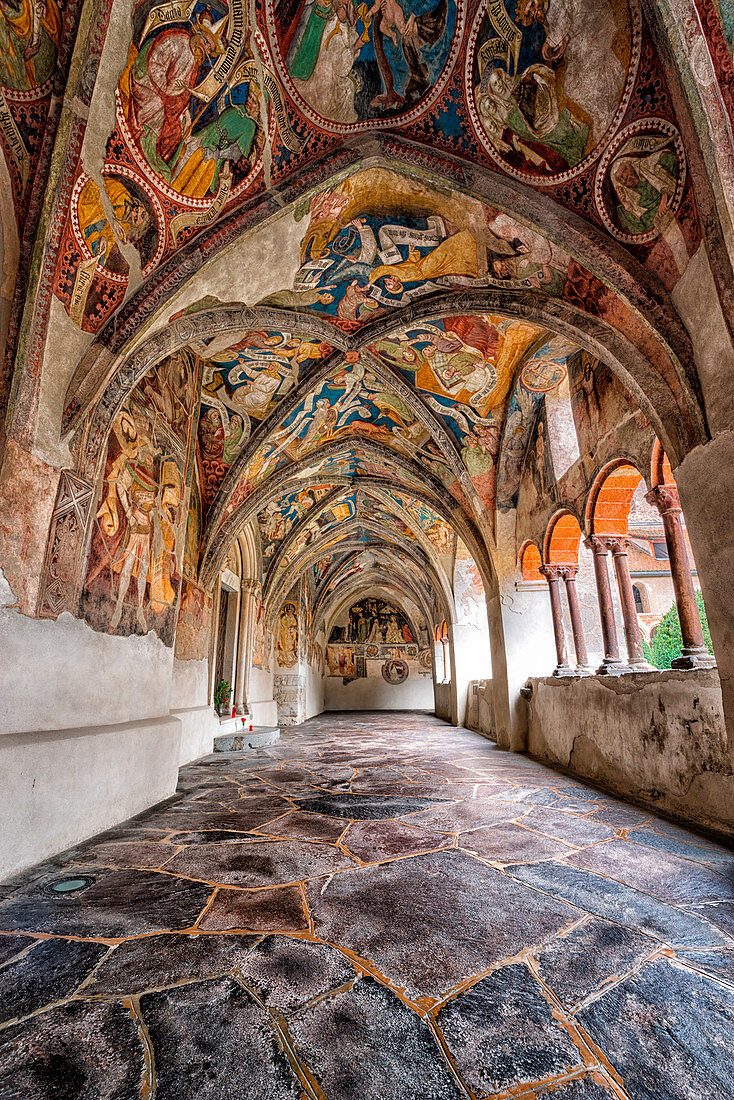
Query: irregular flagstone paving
[[378, 907]]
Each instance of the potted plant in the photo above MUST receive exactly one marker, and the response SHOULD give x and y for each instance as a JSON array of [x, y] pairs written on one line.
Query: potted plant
[[221, 698]]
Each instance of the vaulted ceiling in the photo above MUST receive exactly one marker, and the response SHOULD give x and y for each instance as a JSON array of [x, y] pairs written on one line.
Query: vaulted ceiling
[[373, 238]]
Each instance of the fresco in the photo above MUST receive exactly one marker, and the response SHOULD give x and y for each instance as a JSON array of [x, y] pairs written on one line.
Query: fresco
[[598, 400], [278, 518], [439, 534], [193, 531], [191, 125], [286, 635], [240, 385], [373, 638], [550, 79], [351, 401], [138, 540], [30, 35], [377, 242], [354, 62], [374, 620], [194, 623], [468, 361], [639, 183]]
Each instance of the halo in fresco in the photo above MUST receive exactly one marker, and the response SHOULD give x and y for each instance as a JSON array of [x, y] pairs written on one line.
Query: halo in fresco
[[189, 100], [136, 217], [549, 80], [640, 180], [352, 65]]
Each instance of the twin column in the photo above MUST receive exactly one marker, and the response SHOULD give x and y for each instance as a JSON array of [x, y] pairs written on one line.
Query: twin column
[[554, 574]]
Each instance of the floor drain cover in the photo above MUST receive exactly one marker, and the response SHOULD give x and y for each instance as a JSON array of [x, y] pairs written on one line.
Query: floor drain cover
[[69, 885]]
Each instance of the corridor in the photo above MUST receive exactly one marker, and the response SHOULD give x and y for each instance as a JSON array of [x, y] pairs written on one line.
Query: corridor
[[378, 906]]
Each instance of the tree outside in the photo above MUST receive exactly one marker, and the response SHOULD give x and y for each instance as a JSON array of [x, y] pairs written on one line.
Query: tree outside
[[667, 643]]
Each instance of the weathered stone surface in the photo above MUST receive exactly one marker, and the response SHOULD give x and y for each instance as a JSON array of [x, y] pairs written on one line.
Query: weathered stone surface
[[47, 973], [288, 973], [464, 914], [719, 964], [144, 855], [502, 1033], [569, 827], [589, 1086], [460, 817], [165, 959], [306, 826], [508, 843], [372, 842], [664, 876], [279, 910], [366, 1043], [367, 807], [118, 903], [78, 1051], [11, 945], [575, 965], [693, 847], [667, 1032], [255, 863], [212, 1041], [607, 898]]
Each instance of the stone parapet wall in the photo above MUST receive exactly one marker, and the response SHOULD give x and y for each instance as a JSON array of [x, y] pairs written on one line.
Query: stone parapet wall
[[656, 737]]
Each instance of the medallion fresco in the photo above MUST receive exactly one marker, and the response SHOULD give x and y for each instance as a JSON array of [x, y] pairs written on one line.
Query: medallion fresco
[[348, 63], [550, 79], [640, 181], [30, 37]]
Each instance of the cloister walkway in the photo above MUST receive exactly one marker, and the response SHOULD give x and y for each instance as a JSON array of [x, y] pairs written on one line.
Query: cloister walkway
[[379, 906]]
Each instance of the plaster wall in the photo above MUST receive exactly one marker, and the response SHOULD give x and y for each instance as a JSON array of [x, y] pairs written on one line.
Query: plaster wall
[[260, 702], [62, 787], [314, 697], [59, 674], [371, 693], [657, 737], [479, 709]]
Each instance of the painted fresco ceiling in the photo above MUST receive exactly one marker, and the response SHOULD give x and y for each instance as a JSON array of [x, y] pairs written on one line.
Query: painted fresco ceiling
[[469, 194]]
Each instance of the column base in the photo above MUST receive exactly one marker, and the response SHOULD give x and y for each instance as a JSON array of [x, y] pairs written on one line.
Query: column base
[[563, 670], [694, 658], [641, 665], [610, 667], [584, 670]]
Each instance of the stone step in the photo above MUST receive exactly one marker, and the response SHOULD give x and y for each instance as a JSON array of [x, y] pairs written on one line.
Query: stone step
[[247, 739]]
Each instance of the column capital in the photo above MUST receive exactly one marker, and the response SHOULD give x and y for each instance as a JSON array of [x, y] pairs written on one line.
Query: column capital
[[249, 584], [617, 544], [665, 498], [568, 571], [551, 572], [597, 544]]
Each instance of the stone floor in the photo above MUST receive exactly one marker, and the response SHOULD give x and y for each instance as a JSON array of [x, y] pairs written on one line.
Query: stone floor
[[377, 906]]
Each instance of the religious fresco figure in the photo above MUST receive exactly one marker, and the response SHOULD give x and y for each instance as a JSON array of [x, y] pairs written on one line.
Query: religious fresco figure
[[644, 186], [30, 31], [543, 105], [191, 98], [352, 60], [286, 637]]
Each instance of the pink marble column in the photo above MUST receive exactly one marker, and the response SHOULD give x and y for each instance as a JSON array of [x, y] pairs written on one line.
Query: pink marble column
[[694, 654], [552, 574], [611, 664], [568, 573], [635, 654]]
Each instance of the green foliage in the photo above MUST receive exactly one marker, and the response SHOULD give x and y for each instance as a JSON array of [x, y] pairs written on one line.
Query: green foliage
[[666, 643], [222, 693]]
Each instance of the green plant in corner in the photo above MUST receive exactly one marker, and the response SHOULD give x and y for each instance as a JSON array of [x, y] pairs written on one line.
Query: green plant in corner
[[221, 694], [667, 643]]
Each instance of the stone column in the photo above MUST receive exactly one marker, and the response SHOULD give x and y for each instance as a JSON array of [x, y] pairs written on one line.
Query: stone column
[[635, 654], [695, 654], [244, 648], [611, 664], [552, 574], [568, 572]]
